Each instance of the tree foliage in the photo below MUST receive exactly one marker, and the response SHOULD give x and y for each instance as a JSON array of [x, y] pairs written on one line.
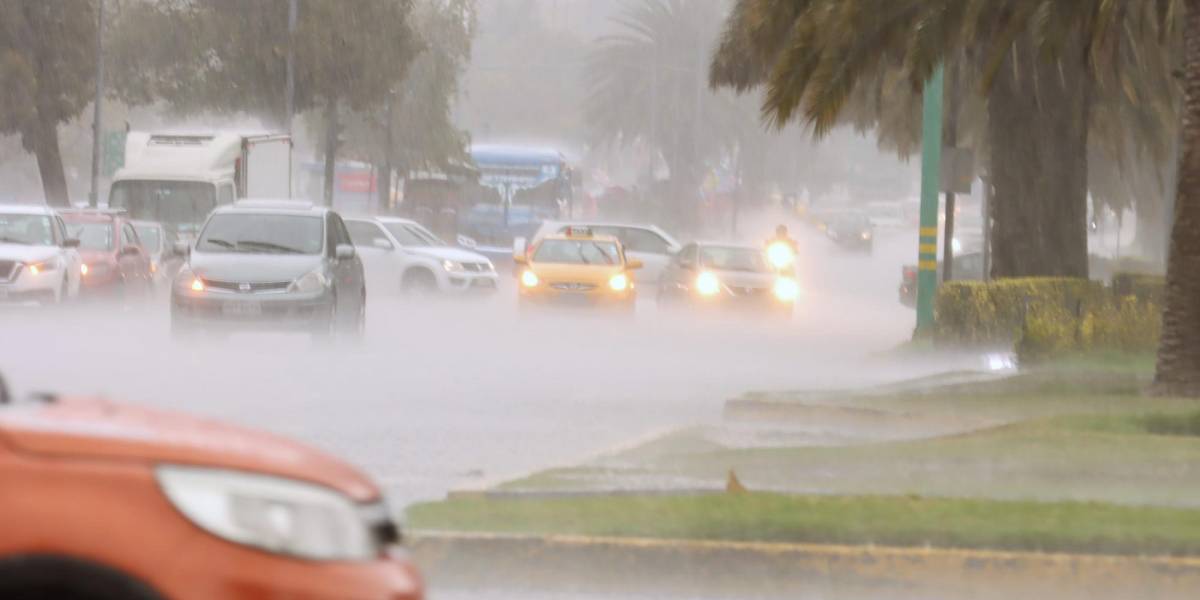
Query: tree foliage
[[47, 73]]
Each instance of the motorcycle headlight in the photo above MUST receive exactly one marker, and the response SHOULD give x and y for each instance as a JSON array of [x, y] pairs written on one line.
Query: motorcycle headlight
[[312, 282], [780, 255], [279, 515], [786, 289], [452, 266], [707, 284], [618, 282]]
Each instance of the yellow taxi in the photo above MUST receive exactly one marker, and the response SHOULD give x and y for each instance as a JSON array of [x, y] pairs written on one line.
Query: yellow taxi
[[577, 268]]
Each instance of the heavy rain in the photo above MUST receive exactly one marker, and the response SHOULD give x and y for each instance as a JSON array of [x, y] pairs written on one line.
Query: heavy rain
[[583, 300]]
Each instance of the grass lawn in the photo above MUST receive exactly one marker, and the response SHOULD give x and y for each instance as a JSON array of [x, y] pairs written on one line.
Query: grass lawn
[[885, 520]]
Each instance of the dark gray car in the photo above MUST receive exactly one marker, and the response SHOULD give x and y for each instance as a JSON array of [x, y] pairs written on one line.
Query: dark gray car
[[716, 276], [271, 265]]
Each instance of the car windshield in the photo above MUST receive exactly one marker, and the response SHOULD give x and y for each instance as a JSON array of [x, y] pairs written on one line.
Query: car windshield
[[262, 234], [179, 205], [728, 258], [577, 252], [150, 236], [92, 236], [411, 234], [34, 230]]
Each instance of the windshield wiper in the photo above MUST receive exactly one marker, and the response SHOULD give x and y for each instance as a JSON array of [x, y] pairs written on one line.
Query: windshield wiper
[[8, 240], [221, 243], [270, 246]]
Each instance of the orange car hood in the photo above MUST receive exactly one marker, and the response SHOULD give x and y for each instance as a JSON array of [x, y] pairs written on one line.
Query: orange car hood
[[598, 274], [98, 429]]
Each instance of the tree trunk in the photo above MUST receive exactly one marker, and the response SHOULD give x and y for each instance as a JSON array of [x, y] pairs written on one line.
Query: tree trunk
[[1178, 370], [1037, 125], [49, 161], [331, 134]]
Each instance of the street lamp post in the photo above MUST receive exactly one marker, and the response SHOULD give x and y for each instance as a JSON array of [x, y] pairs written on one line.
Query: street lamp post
[[94, 193]]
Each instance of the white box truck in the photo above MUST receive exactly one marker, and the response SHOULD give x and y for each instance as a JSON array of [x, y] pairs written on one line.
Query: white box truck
[[178, 178]]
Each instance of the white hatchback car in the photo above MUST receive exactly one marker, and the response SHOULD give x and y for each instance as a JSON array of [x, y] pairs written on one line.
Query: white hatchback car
[[38, 262], [402, 251]]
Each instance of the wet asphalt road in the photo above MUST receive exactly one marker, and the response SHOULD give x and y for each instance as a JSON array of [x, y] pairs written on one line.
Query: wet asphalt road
[[462, 393]]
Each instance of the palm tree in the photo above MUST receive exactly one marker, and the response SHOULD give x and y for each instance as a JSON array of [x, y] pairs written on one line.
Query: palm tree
[[1178, 370], [648, 87], [1041, 65]]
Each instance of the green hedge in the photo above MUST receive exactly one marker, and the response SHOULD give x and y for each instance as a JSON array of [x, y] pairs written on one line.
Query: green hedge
[[1044, 317]]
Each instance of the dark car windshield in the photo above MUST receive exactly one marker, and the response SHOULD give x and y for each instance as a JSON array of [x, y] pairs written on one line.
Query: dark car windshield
[[26, 229], [92, 236], [262, 233], [181, 206], [726, 258], [577, 252], [150, 237]]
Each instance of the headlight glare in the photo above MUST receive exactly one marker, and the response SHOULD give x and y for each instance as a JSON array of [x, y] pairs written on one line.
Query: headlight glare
[[618, 282], [275, 514], [529, 279], [780, 255], [786, 289], [707, 284]]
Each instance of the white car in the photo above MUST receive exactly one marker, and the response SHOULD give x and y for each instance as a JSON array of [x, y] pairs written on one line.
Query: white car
[[417, 261], [38, 262], [647, 243]]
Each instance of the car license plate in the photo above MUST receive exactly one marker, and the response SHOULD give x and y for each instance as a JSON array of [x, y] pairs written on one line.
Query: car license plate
[[242, 308]]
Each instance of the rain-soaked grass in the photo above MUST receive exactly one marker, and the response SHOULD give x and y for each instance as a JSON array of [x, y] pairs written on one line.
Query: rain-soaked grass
[[1075, 527]]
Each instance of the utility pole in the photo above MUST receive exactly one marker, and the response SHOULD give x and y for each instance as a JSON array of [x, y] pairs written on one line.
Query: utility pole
[[931, 158], [290, 92], [94, 193]]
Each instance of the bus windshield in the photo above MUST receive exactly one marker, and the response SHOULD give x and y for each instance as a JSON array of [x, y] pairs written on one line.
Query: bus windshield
[[181, 206]]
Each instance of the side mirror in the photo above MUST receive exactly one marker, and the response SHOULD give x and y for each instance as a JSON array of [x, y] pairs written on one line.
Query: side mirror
[[519, 246], [343, 251], [381, 243], [182, 248], [71, 243], [633, 264], [519, 259], [467, 242]]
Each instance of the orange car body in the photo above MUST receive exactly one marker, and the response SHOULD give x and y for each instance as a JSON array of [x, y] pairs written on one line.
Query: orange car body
[[79, 498]]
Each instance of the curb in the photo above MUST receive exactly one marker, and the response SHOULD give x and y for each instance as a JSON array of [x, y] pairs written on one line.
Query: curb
[[784, 570]]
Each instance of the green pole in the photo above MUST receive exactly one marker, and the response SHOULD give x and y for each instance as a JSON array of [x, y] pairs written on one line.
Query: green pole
[[931, 162]]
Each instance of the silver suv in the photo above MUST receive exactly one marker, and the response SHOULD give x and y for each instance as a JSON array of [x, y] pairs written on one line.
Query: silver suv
[[261, 264]]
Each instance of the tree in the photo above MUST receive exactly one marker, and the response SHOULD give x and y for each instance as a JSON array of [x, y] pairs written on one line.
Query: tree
[[648, 87], [1178, 369], [47, 69], [1042, 66], [231, 56]]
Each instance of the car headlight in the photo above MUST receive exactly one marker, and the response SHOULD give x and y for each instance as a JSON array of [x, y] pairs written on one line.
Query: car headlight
[[529, 279], [312, 282], [780, 255], [618, 282], [786, 289], [42, 267], [187, 280], [707, 284], [452, 266], [866, 235], [95, 269], [279, 515]]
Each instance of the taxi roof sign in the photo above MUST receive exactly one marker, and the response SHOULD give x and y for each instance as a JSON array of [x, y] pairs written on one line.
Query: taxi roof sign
[[578, 231]]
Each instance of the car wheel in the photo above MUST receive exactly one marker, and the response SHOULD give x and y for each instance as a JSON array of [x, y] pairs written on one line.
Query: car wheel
[[418, 283], [358, 328], [326, 328], [64, 290]]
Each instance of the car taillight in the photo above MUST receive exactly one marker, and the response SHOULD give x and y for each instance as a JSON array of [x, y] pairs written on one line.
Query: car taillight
[[910, 272]]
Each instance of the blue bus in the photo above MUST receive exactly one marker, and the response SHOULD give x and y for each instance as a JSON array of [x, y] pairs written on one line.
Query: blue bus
[[518, 187]]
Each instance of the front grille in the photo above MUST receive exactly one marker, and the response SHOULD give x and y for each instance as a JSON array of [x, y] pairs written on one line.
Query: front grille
[[258, 287], [8, 268], [573, 287], [747, 291], [477, 267]]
